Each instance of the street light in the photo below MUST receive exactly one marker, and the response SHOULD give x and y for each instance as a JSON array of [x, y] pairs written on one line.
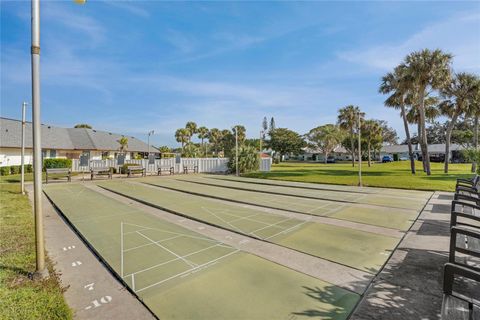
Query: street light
[[24, 106], [150, 133]]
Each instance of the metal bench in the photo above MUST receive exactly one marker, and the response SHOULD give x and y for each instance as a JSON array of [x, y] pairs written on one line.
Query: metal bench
[[465, 247], [136, 169], [169, 169], [63, 172], [459, 305], [101, 171], [191, 168]]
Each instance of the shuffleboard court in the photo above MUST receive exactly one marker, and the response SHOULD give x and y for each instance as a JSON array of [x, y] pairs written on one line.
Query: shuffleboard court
[[385, 200], [394, 218], [408, 194], [181, 274], [354, 248]]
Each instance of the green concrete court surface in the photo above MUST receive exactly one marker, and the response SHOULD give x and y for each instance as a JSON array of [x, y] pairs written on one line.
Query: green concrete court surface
[[394, 218], [181, 274], [358, 249], [387, 200]]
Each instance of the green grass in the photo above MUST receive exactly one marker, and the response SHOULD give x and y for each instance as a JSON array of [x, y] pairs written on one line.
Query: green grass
[[390, 175], [20, 297], [15, 178]]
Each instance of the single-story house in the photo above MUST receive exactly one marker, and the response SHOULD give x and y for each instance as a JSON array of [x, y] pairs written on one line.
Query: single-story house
[[67, 143], [339, 153], [436, 152]]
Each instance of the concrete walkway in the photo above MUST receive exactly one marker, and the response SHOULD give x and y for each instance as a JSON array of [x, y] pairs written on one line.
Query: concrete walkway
[[410, 285], [92, 291]]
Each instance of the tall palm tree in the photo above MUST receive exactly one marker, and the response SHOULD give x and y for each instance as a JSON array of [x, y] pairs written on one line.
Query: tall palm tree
[[214, 137], [459, 95], [424, 71], [192, 128], [347, 120], [391, 83], [371, 131], [473, 111], [241, 133], [123, 141], [182, 135], [202, 135]]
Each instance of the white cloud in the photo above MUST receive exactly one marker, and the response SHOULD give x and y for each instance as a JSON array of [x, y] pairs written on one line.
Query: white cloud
[[459, 35]]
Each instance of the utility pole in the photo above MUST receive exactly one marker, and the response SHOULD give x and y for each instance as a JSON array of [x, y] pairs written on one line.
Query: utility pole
[[261, 140], [37, 145], [236, 150], [24, 106], [359, 153]]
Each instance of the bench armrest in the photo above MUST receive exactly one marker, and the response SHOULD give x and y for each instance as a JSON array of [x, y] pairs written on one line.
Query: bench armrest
[[450, 270], [453, 242], [466, 189], [460, 196]]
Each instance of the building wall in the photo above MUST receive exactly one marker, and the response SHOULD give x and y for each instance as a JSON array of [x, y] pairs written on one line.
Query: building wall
[[13, 157]]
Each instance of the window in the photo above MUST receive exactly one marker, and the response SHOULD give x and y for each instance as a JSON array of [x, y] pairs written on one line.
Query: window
[[53, 153]]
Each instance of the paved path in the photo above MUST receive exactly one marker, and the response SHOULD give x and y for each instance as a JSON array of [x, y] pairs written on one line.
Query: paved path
[[410, 285], [92, 292]]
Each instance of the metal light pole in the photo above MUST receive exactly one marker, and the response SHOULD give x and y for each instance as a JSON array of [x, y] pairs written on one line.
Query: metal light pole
[[261, 140], [149, 134], [359, 153], [24, 106], [236, 150], [37, 145]]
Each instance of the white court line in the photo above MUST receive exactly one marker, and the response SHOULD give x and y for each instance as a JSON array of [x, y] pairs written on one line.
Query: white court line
[[213, 214], [172, 260], [121, 249], [149, 244], [286, 230], [272, 225], [244, 218], [166, 231], [191, 264], [188, 271], [102, 217]]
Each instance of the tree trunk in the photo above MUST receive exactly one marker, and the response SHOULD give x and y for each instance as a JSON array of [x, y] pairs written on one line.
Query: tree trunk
[[368, 150], [419, 128], [424, 142], [409, 142], [448, 135], [475, 140], [325, 160], [352, 145]]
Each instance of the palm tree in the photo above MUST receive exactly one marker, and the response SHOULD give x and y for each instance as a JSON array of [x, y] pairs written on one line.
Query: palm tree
[[424, 71], [203, 134], [347, 120], [326, 138], [192, 128], [371, 132], [123, 141], [182, 135], [214, 137], [459, 95], [473, 111], [241, 133], [391, 83]]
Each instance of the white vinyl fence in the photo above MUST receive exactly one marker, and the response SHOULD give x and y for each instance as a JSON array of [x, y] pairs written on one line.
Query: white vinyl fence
[[204, 164]]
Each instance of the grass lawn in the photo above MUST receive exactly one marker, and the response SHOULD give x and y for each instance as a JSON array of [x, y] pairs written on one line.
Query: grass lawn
[[20, 297], [15, 178], [391, 175]]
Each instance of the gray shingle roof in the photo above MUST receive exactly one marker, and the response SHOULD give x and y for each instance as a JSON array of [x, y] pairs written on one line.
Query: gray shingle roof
[[66, 138]]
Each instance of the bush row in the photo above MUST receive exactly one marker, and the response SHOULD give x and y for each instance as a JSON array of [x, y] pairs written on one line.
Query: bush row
[[5, 171], [47, 163]]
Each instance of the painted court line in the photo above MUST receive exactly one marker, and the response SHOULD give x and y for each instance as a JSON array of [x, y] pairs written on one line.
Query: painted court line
[[152, 243], [287, 230]]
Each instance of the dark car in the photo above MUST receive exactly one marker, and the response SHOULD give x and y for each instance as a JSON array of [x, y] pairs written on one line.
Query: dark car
[[331, 159], [387, 158]]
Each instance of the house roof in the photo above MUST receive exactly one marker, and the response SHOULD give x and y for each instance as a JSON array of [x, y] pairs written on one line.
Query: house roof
[[432, 148], [66, 138]]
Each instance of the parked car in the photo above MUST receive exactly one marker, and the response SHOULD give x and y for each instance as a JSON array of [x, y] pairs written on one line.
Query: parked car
[[404, 158], [387, 158], [331, 159]]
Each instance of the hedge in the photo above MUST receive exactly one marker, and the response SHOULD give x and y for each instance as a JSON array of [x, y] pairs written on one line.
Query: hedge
[[15, 169], [123, 169], [57, 163], [4, 171]]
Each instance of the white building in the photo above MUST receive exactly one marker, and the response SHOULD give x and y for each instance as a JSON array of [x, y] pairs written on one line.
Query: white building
[[67, 143]]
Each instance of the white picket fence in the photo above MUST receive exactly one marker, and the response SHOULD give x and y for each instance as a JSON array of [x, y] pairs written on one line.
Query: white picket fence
[[204, 164]]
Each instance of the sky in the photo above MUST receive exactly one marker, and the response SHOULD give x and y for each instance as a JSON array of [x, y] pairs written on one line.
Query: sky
[[134, 66]]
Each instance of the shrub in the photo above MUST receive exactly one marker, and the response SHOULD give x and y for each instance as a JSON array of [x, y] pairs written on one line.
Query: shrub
[[114, 170], [123, 169], [28, 168], [15, 169], [4, 171], [57, 163], [248, 160]]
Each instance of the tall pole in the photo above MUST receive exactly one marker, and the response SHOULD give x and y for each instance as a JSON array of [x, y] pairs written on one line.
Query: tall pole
[[359, 153], [261, 140], [24, 106], [236, 150], [37, 145]]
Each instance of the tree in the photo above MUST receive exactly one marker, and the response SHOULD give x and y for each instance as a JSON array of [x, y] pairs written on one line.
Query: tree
[[473, 111], [83, 125], [248, 160], [164, 149], [202, 135], [191, 150], [285, 141], [424, 71], [459, 95], [326, 138], [123, 141], [264, 127], [214, 137], [348, 121], [389, 134], [392, 83], [192, 129], [241, 133], [272, 125], [372, 135], [182, 135]]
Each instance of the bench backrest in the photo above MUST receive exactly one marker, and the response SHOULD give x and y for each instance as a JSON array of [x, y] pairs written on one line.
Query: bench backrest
[[100, 169], [135, 168], [58, 170]]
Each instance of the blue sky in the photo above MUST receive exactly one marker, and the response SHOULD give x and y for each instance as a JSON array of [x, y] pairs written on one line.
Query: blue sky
[[134, 66]]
